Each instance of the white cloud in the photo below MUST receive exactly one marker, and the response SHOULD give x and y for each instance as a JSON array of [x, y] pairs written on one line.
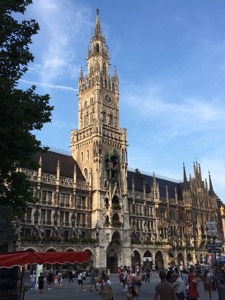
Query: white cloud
[[47, 85], [62, 25], [179, 116]]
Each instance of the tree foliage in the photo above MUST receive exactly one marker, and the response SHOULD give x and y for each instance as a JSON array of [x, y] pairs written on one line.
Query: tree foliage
[[21, 111]]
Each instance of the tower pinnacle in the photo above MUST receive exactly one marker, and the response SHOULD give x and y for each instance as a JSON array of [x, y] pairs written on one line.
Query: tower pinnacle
[[97, 25]]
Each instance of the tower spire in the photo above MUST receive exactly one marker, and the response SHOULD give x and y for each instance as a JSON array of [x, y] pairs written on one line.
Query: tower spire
[[211, 191], [184, 178], [97, 25]]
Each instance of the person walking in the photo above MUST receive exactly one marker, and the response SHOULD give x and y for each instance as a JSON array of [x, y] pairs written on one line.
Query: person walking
[[178, 285], [60, 277], [106, 288], [164, 290], [148, 275], [169, 274], [124, 280], [129, 279], [49, 280], [185, 280], [138, 283], [80, 285], [132, 294], [207, 281], [70, 276], [93, 280], [33, 281], [56, 280], [193, 285], [40, 282]]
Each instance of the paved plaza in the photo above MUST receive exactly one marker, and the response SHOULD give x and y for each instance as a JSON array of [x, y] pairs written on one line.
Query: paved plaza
[[68, 291]]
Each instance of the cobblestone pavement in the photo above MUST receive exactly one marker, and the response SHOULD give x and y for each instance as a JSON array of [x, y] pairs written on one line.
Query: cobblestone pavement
[[68, 291]]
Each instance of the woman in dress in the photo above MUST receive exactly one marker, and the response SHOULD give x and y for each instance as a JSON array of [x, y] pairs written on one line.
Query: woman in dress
[[40, 282], [193, 286]]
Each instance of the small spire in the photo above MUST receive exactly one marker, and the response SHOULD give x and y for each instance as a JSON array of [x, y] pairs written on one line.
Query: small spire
[[115, 73], [58, 170], [184, 178], [211, 191], [97, 26], [81, 72]]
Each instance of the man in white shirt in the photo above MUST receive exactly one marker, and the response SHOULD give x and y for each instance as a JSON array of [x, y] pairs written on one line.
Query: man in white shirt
[[178, 286], [32, 281]]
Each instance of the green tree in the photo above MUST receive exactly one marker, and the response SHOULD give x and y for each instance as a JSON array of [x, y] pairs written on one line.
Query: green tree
[[21, 111]]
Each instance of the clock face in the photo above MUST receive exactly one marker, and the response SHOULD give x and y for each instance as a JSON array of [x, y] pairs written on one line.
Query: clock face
[[107, 98]]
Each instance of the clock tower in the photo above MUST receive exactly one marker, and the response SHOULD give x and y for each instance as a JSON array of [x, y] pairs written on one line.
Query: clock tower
[[99, 146]]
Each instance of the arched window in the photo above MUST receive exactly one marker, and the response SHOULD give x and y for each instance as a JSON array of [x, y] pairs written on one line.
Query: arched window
[[87, 154], [104, 117], [82, 156], [97, 47], [86, 173], [86, 120], [111, 120], [104, 68], [91, 118]]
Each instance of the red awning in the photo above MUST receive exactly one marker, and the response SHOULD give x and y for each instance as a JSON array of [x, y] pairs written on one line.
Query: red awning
[[11, 259]]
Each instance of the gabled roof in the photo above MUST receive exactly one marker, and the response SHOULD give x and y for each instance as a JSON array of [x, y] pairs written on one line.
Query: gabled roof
[[148, 180], [50, 162]]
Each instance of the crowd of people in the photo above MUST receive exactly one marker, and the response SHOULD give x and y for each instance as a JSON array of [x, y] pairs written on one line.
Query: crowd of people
[[175, 284], [183, 284]]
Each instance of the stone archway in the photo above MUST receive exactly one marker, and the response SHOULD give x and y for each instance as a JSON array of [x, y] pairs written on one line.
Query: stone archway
[[113, 251], [147, 259], [136, 259], [180, 259], [159, 260], [171, 258], [112, 261], [189, 258]]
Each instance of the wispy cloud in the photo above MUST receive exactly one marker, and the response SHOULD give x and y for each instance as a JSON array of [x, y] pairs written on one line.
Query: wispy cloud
[[189, 113], [58, 37], [47, 85]]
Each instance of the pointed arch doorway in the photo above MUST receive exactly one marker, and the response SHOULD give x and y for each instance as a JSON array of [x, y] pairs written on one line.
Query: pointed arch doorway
[[112, 261], [113, 251]]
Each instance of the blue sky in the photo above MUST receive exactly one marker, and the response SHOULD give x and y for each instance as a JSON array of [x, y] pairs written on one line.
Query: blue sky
[[170, 59]]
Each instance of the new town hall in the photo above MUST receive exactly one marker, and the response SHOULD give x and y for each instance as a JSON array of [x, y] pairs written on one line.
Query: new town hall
[[91, 200]]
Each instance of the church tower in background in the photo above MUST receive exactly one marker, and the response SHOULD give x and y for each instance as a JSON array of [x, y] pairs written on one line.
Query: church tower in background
[[99, 146], [90, 200]]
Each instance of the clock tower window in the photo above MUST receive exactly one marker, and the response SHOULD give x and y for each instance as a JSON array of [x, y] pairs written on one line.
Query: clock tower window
[[104, 69], [111, 120]]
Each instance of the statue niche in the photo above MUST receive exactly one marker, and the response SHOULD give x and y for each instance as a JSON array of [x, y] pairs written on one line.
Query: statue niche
[[112, 165]]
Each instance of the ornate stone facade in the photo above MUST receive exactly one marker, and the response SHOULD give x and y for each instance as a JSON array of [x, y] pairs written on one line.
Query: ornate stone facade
[[91, 201]]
